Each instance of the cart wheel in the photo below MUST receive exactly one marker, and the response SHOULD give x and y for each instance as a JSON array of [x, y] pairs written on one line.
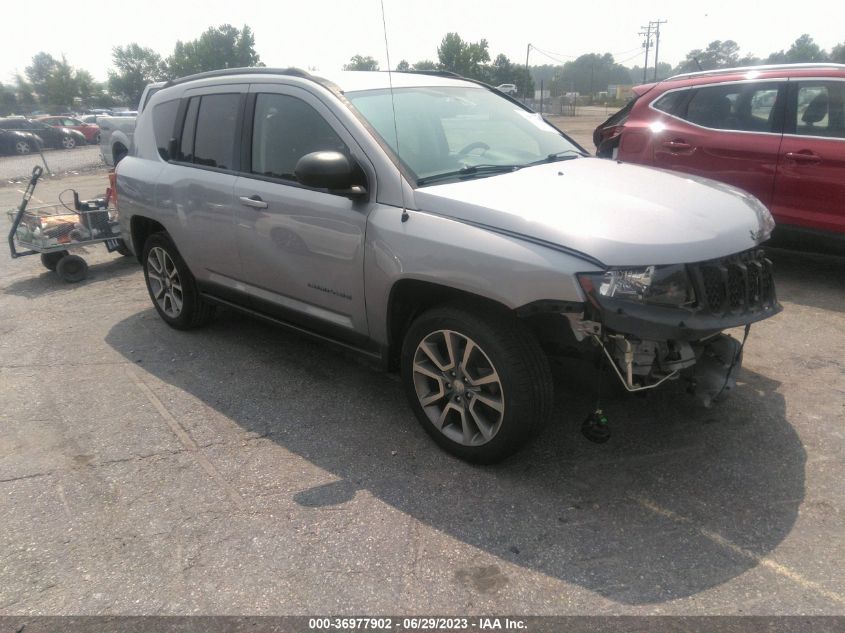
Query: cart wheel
[[72, 268], [123, 249], [51, 260]]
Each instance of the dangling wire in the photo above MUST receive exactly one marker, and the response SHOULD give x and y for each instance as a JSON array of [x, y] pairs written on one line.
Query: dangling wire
[[393, 106]]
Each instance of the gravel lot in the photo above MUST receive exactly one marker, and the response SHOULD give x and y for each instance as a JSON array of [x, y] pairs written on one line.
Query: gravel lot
[[61, 162], [241, 469]]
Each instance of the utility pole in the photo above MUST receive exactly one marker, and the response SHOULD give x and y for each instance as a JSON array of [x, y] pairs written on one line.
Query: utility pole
[[527, 74], [656, 24], [646, 45]]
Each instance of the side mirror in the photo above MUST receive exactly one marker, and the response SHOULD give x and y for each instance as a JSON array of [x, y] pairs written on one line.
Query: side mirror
[[328, 170]]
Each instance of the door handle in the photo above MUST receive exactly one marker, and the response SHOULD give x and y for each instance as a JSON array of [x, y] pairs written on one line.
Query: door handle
[[253, 201], [804, 157], [677, 144]]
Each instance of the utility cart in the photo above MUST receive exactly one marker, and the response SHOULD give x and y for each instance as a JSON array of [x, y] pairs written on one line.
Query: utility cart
[[53, 230]]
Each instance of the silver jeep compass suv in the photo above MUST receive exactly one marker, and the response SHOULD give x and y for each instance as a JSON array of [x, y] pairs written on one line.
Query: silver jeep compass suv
[[440, 226]]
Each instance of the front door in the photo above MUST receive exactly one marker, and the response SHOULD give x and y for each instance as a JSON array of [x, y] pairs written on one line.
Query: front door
[[302, 249]]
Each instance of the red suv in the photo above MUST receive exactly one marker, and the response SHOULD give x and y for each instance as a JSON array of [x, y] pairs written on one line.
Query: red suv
[[776, 131]]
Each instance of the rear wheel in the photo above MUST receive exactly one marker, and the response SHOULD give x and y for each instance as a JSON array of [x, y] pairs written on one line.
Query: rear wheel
[[68, 142], [477, 381], [171, 285]]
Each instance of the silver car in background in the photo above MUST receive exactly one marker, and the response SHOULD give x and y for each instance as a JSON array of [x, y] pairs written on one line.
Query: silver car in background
[[434, 224]]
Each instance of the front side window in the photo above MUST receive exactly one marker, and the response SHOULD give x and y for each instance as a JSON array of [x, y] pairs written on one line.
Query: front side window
[[442, 130], [285, 129], [820, 109], [750, 107]]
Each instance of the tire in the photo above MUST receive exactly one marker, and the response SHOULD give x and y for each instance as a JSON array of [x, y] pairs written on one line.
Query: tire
[[172, 287], [123, 249], [72, 269], [23, 147], [495, 401], [51, 260], [68, 142], [119, 152], [96, 140]]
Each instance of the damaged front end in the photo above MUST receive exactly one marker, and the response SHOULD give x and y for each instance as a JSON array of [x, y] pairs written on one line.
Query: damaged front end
[[661, 323]]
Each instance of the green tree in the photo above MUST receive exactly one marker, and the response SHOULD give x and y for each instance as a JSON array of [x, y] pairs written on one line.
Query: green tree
[[62, 86], [403, 66], [43, 65], [803, 50], [359, 62], [25, 93], [837, 54], [224, 46], [425, 64], [8, 100], [136, 66], [718, 54], [589, 74], [468, 59]]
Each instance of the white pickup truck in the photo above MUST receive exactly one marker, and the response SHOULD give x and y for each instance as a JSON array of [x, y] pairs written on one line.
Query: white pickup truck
[[116, 132]]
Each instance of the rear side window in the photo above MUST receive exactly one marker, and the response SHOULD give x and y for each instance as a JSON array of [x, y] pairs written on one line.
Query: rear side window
[[286, 129], [164, 120], [820, 109], [744, 107], [214, 144]]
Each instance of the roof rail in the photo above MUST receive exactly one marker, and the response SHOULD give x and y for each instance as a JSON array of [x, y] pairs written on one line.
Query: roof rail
[[725, 71], [255, 70]]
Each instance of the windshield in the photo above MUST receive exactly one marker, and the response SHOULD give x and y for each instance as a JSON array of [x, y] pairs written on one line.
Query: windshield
[[459, 131]]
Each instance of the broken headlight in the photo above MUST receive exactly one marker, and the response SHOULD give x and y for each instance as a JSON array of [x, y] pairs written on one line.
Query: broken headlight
[[655, 285]]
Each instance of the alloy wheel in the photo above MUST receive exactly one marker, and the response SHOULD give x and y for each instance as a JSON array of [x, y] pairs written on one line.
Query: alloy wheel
[[22, 147], [68, 142], [458, 387], [165, 283]]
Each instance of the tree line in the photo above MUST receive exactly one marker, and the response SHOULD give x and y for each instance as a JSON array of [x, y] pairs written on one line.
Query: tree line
[[53, 85]]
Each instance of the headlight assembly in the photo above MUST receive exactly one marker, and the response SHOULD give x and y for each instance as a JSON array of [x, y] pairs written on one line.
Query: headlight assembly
[[654, 285]]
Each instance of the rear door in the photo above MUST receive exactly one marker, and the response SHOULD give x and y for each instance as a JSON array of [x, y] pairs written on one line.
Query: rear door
[[198, 186], [729, 132], [810, 188], [302, 248]]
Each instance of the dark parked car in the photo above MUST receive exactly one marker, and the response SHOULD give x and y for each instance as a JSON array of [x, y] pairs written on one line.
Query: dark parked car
[[13, 142], [776, 131], [91, 131], [60, 137]]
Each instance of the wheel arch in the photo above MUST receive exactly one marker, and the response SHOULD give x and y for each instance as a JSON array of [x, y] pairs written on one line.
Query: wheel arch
[[411, 297], [140, 228]]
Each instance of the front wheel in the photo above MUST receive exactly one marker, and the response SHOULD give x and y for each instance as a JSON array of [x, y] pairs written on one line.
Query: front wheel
[[477, 381], [68, 142], [172, 286], [23, 147]]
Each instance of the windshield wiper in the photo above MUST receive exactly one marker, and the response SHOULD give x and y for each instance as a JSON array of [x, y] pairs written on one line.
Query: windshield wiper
[[469, 171], [567, 154]]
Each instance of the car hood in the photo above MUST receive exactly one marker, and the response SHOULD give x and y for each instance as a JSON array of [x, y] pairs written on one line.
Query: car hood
[[618, 214]]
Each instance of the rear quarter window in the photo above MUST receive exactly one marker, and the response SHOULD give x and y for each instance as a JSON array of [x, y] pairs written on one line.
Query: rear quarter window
[[164, 120], [670, 101]]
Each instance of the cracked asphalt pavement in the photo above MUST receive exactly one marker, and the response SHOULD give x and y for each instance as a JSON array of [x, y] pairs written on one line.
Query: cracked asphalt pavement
[[240, 469]]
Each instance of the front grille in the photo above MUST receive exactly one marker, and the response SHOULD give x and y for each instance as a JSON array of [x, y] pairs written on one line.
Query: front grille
[[738, 284]]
